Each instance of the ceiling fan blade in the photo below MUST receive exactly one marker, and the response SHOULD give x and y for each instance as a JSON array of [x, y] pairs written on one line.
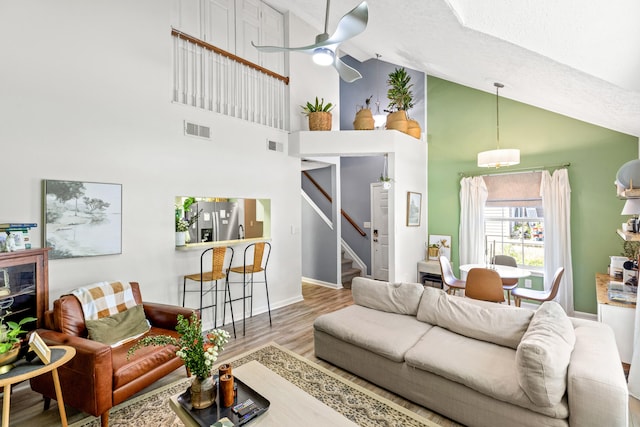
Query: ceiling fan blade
[[346, 73], [351, 24], [303, 49]]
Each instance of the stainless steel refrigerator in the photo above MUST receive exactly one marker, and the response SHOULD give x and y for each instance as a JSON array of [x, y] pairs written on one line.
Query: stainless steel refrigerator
[[217, 221]]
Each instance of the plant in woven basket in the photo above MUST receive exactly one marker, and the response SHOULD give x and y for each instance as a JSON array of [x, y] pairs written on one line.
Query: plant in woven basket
[[318, 107], [197, 350]]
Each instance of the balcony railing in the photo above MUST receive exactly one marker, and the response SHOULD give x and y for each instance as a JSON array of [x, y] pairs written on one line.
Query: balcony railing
[[205, 76]]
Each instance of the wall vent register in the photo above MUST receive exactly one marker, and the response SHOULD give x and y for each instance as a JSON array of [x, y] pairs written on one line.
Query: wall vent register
[[199, 131]]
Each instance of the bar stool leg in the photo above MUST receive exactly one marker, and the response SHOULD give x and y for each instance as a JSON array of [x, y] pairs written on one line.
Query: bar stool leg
[[266, 288], [224, 309]]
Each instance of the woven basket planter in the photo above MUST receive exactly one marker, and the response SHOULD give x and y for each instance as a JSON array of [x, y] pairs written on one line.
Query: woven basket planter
[[413, 129], [364, 120], [398, 121], [320, 121]]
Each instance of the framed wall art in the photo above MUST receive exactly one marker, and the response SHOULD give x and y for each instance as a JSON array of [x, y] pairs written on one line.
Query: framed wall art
[[414, 209], [82, 219]]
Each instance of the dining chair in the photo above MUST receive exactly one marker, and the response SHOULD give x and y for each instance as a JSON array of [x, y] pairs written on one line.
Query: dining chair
[[507, 284], [256, 258], [448, 278], [218, 272], [529, 294], [484, 284]]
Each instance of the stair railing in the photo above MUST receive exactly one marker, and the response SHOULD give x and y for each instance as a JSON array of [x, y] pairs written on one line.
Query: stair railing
[[211, 78], [328, 197]]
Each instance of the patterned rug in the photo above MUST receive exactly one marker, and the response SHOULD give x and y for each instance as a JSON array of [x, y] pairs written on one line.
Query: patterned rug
[[352, 401]]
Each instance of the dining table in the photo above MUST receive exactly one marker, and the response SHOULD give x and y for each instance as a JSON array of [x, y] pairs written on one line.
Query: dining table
[[505, 271]]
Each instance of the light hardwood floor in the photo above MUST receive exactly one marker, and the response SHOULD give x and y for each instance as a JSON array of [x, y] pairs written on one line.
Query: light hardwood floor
[[292, 328]]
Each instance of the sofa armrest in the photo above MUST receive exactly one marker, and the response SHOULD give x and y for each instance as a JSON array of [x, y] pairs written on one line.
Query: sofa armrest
[[165, 316], [92, 363], [596, 386]]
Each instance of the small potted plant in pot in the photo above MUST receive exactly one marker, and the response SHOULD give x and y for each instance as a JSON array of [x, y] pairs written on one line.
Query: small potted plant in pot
[[400, 100], [319, 114], [10, 340]]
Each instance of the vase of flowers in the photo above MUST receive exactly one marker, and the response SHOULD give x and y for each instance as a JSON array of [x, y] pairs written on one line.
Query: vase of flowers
[[182, 223], [198, 352]]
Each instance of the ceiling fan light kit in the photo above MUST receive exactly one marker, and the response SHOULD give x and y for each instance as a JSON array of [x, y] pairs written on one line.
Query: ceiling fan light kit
[[323, 56], [324, 50], [498, 157]]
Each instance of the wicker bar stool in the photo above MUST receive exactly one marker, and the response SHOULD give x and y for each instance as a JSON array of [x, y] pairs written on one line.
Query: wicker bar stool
[[261, 252], [218, 272]]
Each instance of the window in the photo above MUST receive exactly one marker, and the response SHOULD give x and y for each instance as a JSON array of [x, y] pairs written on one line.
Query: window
[[514, 218], [518, 232]]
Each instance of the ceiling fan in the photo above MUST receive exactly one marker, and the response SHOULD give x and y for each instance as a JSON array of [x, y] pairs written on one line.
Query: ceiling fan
[[324, 50]]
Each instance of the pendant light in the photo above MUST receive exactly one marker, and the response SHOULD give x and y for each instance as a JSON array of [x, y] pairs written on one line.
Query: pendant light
[[379, 119], [498, 157]]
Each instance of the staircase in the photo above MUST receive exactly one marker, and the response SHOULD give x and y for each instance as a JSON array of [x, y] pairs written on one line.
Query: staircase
[[348, 271]]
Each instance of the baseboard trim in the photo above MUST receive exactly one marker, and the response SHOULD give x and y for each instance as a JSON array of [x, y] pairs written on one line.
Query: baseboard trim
[[322, 283]]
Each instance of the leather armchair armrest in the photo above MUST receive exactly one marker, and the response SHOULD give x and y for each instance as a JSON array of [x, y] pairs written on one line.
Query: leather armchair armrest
[[165, 316], [91, 356]]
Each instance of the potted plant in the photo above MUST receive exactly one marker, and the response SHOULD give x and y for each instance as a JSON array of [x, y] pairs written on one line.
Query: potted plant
[[319, 114], [10, 333], [198, 352], [182, 224], [400, 100], [364, 117]]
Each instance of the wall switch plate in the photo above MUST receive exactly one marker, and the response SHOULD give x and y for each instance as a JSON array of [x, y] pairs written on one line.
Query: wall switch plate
[[367, 224], [527, 283]]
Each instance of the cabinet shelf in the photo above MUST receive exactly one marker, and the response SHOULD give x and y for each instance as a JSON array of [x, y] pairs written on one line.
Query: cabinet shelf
[[629, 236], [26, 274]]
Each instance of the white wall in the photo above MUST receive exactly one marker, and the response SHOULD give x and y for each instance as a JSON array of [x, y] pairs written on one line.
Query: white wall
[[308, 80], [86, 89]]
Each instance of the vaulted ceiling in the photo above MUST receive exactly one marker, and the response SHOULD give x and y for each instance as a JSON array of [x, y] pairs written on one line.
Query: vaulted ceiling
[[576, 58]]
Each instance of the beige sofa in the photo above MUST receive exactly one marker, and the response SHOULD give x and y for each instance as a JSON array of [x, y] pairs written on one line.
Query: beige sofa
[[478, 363]]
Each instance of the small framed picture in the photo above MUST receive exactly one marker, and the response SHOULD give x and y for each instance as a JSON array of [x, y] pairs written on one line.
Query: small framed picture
[[414, 209], [40, 348]]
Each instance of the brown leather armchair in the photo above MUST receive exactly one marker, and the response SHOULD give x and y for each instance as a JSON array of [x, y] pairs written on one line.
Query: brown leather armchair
[[100, 377]]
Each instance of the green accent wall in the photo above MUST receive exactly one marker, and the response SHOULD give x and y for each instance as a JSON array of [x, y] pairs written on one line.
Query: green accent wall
[[462, 122]]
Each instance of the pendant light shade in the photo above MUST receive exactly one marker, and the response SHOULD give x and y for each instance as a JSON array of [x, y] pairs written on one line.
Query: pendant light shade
[[498, 157]]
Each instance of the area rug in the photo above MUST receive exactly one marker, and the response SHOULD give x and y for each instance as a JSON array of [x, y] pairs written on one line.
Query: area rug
[[352, 401]]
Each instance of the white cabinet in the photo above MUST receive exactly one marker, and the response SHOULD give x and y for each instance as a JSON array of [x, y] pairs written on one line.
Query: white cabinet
[[620, 316]]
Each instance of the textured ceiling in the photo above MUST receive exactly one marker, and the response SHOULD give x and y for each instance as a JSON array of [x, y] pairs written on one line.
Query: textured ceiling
[[576, 58]]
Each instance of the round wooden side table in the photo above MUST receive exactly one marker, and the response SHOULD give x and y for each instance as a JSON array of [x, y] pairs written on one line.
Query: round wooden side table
[[25, 370]]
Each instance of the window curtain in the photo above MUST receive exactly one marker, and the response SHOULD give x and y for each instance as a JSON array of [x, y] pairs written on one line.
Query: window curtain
[[556, 202], [473, 195]]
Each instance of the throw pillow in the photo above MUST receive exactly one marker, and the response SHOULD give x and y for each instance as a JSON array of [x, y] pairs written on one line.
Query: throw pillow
[[481, 320], [119, 328], [401, 298], [543, 356]]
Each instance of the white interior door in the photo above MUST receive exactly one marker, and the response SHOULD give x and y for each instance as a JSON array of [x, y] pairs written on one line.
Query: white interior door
[[379, 232]]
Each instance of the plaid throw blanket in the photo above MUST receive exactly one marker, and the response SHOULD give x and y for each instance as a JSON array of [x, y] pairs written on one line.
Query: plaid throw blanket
[[104, 299]]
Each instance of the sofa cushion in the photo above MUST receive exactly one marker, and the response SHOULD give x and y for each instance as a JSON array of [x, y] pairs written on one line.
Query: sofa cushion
[[401, 298], [479, 365], [543, 355], [118, 328], [486, 321], [386, 334]]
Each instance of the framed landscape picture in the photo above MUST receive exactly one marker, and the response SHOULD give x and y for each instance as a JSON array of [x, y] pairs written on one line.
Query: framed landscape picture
[[82, 218], [414, 209]]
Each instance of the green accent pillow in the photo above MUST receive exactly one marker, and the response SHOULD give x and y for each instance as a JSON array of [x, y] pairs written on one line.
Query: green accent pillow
[[119, 328]]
